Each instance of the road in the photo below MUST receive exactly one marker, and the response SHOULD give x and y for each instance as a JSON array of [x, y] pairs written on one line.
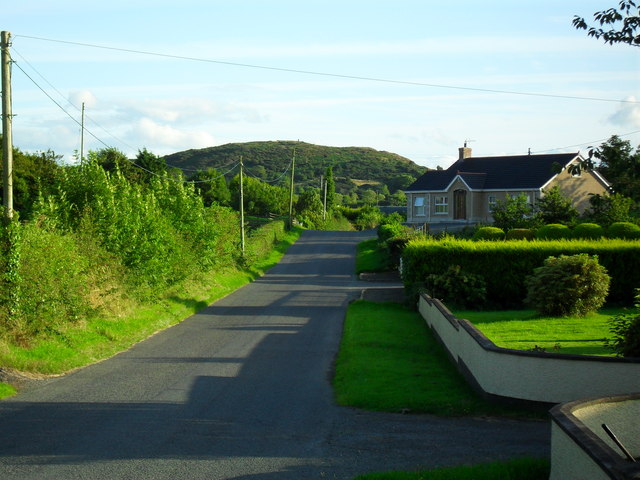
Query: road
[[240, 390]]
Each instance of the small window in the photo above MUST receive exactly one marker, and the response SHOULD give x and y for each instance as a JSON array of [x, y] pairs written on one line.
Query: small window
[[418, 204], [442, 205], [492, 202]]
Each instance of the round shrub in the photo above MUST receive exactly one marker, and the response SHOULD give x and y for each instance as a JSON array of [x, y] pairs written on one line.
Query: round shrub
[[489, 233], [568, 286], [625, 230], [553, 231], [458, 288], [521, 234], [389, 230], [591, 231]]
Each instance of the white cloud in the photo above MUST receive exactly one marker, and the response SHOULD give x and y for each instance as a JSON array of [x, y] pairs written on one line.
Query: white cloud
[[628, 114], [78, 97], [162, 138]]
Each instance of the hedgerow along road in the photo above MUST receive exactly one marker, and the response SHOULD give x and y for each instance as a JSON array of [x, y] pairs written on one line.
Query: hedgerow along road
[[240, 390]]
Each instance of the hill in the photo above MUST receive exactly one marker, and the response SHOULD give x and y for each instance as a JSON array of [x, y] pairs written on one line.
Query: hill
[[353, 167]]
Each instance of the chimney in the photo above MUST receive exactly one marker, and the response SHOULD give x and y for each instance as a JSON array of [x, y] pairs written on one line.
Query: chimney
[[464, 152]]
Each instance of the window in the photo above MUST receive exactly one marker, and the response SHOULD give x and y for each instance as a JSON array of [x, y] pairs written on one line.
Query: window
[[442, 205], [418, 203], [492, 202]]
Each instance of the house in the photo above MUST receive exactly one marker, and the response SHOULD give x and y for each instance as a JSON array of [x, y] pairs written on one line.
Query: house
[[468, 190]]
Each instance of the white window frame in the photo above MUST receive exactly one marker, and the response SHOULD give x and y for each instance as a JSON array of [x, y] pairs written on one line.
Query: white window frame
[[441, 204], [492, 201], [418, 206]]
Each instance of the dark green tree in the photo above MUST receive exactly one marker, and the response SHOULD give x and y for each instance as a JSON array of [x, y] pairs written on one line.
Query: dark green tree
[[212, 187], [150, 164], [513, 212], [554, 207], [623, 22], [112, 159]]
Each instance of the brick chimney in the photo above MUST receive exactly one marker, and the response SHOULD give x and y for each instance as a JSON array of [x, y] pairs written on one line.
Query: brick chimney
[[464, 152]]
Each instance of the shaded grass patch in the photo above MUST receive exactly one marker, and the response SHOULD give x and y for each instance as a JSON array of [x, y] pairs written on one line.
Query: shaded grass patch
[[516, 469], [372, 257], [390, 361]]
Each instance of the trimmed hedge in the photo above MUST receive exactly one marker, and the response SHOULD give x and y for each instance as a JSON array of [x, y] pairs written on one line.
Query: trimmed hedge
[[505, 265], [625, 230], [489, 233], [553, 231], [521, 234], [591, 231]]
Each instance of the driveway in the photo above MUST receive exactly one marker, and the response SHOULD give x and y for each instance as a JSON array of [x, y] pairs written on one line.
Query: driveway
[[240, 390]]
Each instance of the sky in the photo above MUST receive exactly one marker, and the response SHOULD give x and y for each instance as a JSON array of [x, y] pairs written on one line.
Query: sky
[[413, 77]]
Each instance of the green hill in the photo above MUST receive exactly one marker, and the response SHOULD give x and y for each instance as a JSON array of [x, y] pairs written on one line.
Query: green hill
[[353, 167]]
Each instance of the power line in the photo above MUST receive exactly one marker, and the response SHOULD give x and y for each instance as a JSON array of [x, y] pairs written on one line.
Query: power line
[[327, 74]]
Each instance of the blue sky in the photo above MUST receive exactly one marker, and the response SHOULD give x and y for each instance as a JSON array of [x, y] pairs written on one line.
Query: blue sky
[[312, 71]]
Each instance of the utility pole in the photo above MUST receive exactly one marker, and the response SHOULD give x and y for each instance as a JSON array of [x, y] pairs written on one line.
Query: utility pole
[[241, 207], [82, 135], [324, 202], [7, 143], [293, 168]]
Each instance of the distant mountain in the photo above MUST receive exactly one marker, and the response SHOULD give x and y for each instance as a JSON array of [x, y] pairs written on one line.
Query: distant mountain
[[353, 167]]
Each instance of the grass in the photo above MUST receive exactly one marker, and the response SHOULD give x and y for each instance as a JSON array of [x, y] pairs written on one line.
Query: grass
[[98, 338], [526, 330], [390, 361], [371, 257], [6, 390], [516, 469]]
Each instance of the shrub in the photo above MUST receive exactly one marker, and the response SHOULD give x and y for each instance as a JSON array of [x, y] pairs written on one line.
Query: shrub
[[457, 288], [553, 231], [389, 230], [520, 234], [489, 233], [588, 230], [568, 286], [625, 230], [625, 328]]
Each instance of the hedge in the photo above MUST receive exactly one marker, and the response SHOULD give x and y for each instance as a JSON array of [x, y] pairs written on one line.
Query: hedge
[[505, 265]]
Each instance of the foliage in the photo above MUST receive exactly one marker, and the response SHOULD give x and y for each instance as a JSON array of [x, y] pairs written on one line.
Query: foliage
[[620, 165], [554, 207], [513, 212], [387, 231], [330, 188], [608, 209], [260, 198], [520, 234], [371, 256], [625, 329], [568, 285], [553, 231], [625, 230], [505, 265], [212, 187], [150, 164], [348, 163], [457, 288], [368, 217], [591, 231], [489, 233], [623, 22], [309, 208]]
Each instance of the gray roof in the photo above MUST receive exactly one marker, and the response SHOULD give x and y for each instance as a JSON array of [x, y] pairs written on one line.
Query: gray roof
[[514, 172]]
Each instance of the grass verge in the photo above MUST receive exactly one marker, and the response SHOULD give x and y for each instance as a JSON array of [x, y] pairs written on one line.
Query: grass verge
[[371, 257], [6, 390], [527, 330], [517, 469], [390, 361], [98, 338]]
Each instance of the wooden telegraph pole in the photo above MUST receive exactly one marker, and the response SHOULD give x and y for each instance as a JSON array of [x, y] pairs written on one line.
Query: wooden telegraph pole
[[293, 168], [7, 144], [241, 206]]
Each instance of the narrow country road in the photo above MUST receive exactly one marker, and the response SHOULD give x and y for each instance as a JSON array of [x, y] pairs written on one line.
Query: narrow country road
[[240, 390]]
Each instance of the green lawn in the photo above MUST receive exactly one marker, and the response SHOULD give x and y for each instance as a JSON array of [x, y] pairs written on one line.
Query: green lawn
[[390, 361], [517, 469], [370, 257], [526, 330]]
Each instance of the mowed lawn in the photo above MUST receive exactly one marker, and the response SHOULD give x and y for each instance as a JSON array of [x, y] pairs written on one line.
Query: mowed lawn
[[526, 330]]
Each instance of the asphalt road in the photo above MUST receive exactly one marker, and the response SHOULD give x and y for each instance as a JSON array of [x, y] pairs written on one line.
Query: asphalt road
[[240, 390]]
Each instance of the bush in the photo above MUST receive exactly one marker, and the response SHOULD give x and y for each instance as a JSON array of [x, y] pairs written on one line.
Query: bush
[[553, 231], [568, 286], [457, 288], [626, 230], [625, 328], [591, 231], [489, 233], [389, 230], [520, 234]]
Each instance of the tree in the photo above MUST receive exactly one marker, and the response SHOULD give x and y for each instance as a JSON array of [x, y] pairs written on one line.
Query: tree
[[212, 187], [554, 207], [624, 21], [609, 209], [150, 163], [513, 212]]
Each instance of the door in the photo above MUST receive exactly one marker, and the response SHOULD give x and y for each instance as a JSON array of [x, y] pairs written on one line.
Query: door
[[460, 205]]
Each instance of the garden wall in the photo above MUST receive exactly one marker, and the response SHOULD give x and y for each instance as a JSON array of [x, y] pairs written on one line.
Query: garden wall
[[523, 375], [581, 449]]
